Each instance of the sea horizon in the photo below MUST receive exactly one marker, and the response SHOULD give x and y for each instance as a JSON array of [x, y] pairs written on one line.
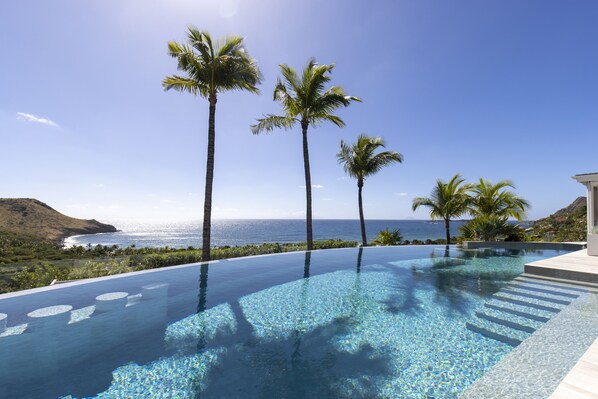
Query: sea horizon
[[237, 232]]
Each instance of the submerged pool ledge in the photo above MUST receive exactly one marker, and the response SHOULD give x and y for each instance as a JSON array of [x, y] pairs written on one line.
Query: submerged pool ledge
[[558, 246]]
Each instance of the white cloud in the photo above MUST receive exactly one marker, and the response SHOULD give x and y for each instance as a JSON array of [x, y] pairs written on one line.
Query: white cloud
[[167, 201], [22, 116], [99, 185], [314, 186], [327, 199], [401, 194]]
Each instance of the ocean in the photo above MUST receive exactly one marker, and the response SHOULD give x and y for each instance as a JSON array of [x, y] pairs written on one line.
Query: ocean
[[244, 232]]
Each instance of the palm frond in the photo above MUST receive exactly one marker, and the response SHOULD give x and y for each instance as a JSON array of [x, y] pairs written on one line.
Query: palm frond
[[270, 122], [182, 84], [360, 160], [225, 67]]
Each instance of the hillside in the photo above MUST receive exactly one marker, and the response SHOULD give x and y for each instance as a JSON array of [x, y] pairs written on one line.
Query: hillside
[[567, 224], [34, 218]]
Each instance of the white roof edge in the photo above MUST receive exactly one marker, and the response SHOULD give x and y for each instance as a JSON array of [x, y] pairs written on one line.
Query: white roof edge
[[586, 178]]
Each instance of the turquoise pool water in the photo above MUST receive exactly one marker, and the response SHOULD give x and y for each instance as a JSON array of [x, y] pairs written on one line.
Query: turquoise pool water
[[375, 323]]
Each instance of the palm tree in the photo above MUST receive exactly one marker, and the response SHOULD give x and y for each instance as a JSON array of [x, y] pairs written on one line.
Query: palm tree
[[360, 161], [489, 227], [210, 68], [447, 201], [497, 200], [305, 101]]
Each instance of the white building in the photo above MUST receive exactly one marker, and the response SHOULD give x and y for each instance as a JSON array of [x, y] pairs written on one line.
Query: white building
[[590, 180]]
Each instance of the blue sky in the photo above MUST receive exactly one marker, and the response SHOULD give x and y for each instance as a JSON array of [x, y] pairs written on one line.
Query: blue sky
[[494, 89]]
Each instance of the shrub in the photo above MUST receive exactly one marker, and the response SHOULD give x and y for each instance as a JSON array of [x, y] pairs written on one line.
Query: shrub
[[491, 228], [39, 275], [387, 237], [93, 269]]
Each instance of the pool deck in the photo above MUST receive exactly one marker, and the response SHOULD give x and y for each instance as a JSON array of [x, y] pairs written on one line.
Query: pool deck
[[582, 381], [575, 266]]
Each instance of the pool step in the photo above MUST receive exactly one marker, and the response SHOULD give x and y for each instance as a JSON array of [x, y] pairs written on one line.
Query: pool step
[[493, 335], [518, 310], [537, 295], [557, 292], [551, 283], [529, 302], [521, 307], [496, 331], [510, 320]]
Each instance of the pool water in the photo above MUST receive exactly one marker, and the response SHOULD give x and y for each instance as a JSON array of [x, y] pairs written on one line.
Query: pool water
[[389, 322]]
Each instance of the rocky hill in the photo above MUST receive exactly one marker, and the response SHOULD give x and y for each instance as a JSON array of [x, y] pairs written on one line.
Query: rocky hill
[[34, 218], [567, 224]]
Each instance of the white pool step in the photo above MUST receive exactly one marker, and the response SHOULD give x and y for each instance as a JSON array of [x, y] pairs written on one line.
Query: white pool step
[[557, 292], [529, 302], [496, 331], [545, 297], [519, 310], [521, 307], [510, 320], [552, 283]]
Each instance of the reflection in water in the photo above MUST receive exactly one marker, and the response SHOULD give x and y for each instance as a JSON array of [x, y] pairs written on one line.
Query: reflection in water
[[359, 259], [203, 287], [383, 329], [202, 300], [307, 264]]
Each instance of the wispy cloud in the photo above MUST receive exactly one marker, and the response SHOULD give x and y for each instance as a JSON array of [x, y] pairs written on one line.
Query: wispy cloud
[[401, 194], [313, 186], [22, 116], [327, 199]]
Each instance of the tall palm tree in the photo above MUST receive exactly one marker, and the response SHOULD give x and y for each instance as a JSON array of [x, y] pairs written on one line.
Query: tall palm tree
[[360, 161], [447, 201], [211, 68], [497, 200], [305, 101]]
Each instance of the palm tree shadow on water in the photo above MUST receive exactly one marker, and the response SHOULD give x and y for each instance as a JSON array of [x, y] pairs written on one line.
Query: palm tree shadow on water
[[302, 364], [454, 284]]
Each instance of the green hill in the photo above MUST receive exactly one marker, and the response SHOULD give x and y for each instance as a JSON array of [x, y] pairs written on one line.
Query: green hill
[[567, 224], [33, 218]]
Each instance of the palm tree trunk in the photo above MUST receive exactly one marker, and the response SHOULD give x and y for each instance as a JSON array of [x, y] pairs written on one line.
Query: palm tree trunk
[[308, 217], [448, 231], [207, 205], [364, 240]]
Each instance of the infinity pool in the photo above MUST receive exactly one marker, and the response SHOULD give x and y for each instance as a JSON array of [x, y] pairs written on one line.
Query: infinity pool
[[389, 322]]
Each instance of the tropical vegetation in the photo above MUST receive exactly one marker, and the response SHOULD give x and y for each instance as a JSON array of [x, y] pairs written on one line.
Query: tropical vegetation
[[448, 200], [39, 263], [388, 237], [211, 68], [567, 224], [361, 161], [492, 205], [497, 199], [305, 101]]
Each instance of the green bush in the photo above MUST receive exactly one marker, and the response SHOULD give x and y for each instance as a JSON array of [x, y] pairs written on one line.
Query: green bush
[[93, 269], [387, 237], [39, 275]]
